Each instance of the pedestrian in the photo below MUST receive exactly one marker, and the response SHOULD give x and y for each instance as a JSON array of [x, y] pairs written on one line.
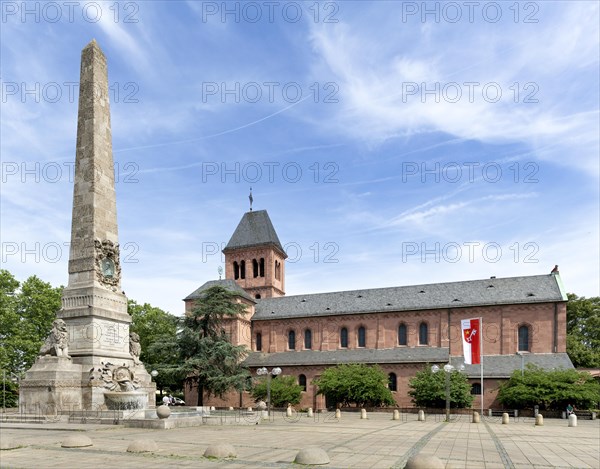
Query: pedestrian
[[569, 409], [166, 400]]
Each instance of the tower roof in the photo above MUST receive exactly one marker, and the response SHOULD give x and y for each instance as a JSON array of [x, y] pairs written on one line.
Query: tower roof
[[254, 229]]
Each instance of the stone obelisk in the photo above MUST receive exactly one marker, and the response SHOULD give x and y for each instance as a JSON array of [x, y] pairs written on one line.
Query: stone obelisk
[[94, 309]]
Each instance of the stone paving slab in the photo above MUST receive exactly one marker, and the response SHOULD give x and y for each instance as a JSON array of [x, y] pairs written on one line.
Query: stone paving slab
[[377, 443]]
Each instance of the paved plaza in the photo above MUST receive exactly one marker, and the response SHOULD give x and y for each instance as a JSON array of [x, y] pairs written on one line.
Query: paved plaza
[[378, 442]]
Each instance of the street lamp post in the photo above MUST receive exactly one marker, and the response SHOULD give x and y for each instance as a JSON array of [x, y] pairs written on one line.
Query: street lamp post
[[448, 369], [274, 372], [522, 355]]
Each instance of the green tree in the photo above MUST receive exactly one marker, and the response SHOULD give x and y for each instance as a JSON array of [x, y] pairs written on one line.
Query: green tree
[[583, 331], [428, 389], [26, 314], [156, 329], [552, 390], [207, 358], [354, 383], [284, 390]]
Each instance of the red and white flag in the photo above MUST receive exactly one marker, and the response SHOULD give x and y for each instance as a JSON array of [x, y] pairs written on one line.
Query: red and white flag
[[471, 339]]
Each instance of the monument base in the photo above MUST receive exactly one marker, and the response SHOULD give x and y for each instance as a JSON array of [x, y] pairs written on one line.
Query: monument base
[[51, 386]]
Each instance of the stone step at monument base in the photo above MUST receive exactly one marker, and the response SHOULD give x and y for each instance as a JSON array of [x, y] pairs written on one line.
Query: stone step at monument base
[[28, 418]]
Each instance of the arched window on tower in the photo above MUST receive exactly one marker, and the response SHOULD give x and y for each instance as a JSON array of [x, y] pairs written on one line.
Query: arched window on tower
[[423, 334], [254, 268], [302, 382], [277, 270], [392, 382], [236, 270], [291, 340], [362, 336], [523, 338], [262, 267], [308, 339], [258, 341], [344, 337], [402, 335], [243, 269]]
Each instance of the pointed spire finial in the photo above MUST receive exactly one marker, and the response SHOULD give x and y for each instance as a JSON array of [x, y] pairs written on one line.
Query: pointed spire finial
[[220, 270], [251, 199]]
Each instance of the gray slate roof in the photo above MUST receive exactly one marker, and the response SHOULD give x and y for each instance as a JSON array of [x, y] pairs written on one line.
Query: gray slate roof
[[494, 366], [362, 355], [225, 283], [497, 291], [254, 229], [502, 366]]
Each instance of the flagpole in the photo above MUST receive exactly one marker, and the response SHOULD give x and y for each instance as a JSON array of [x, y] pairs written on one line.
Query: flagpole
[[481, 359]]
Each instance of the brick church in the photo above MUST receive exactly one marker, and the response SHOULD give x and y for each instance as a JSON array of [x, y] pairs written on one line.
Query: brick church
[[402, 329]]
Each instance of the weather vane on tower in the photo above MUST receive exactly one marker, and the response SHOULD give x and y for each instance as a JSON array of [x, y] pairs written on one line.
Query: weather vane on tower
[[251, 199]]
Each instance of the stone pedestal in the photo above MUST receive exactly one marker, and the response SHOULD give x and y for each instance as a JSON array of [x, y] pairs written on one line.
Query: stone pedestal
[[51, 386]]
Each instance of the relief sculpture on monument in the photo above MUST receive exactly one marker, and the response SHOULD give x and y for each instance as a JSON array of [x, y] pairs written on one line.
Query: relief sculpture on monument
[[108, 266]]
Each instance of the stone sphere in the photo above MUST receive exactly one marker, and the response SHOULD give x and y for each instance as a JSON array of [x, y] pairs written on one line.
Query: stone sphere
[[424, 462], [76, 441], [220, 451], [142, 446], [312, 456], [163, 412]]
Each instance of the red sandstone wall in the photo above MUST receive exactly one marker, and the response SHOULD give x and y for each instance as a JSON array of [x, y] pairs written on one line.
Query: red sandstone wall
[[500, 332]]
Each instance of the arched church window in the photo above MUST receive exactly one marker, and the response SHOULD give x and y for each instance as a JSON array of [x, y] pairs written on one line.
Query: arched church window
[[243, 269], [236, 270], [292, 340], [258, 341], [423, 334], [392, 382], [402, 335], [277, 270], [302, 382], [308, 339], [255, 268], [362, 336], [262, 267], [523, 338], [344, 337]]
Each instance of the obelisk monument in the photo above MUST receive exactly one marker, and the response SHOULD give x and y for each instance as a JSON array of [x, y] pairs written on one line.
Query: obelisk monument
[[94, 309]]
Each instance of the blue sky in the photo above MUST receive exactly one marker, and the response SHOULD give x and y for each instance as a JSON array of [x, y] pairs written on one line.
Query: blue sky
[[392, 143]]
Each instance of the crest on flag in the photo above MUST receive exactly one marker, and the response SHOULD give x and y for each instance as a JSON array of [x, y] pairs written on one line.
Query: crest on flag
[[471, 338]]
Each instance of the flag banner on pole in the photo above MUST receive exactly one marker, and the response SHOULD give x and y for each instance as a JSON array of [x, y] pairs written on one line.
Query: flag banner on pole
[[471, 339]]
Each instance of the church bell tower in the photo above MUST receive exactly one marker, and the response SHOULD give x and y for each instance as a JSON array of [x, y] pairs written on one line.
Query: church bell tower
[[254, 257]]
